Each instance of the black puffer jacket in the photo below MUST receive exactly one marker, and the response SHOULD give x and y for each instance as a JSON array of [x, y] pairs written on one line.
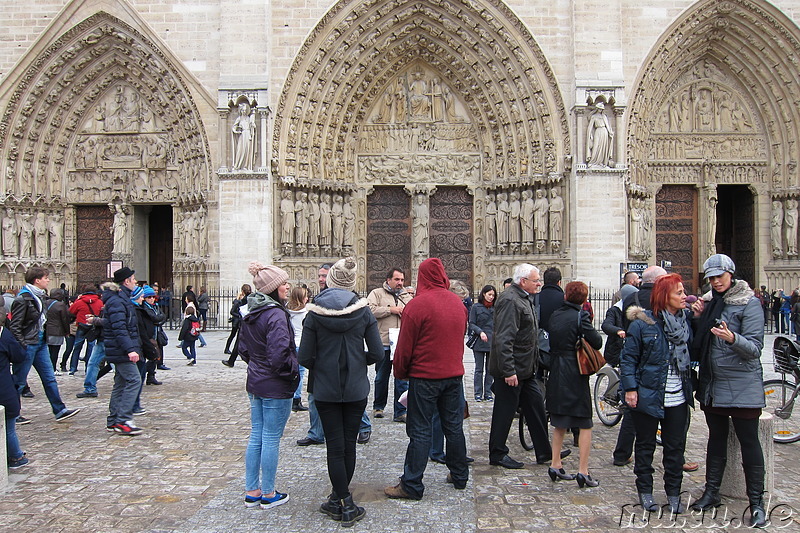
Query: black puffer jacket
[[11, 351], [332, 346], [25, 315], [612, 325], [567, 390], [120, 325], [481, 320]]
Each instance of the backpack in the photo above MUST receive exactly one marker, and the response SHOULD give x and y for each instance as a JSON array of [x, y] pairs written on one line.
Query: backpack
[[194, 331]]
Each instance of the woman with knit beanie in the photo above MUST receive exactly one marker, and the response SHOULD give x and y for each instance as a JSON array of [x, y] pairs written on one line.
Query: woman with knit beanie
[[336, 327], [266, 343]]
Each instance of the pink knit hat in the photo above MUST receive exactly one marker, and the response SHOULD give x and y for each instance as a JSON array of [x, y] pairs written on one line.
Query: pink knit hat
[[267, 278]]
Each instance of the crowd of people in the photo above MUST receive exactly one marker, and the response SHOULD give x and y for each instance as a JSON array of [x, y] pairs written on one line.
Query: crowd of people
[[671, 349]]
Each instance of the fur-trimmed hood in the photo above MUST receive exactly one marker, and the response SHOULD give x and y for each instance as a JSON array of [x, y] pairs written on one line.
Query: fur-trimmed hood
[[336, 302], [635, 312], [739, 294], [110, 285]]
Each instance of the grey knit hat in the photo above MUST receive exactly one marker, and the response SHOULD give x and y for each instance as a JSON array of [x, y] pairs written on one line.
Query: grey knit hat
[[342, 274]]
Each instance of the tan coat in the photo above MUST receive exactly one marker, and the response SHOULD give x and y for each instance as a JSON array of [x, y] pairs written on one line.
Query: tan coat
[[380, 300]]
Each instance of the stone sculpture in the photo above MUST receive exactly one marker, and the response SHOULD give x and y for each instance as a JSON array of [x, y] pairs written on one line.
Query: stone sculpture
[[325, 223], [10, 234], [25, 233], [526, 218], [599, 138], [337, 221], [349, 224], [503, 215], [244, 129], [776, 224], [287, 221], [540, 214], [420, 224], [514, 228], [120, 230], [313, 222], [790, 226], [711, 223], [300, 222], [556, 218], [491, 223], [41, 232]]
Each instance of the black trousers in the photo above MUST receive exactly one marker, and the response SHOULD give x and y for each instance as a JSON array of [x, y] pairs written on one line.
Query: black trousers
[[527, 395], [746, 431], [625, 438], [673, 440], [341, 421]]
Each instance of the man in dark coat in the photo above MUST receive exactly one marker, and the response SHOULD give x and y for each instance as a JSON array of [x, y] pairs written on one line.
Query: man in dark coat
[[123, 348], [512, 363], [550, 297], [11, 352]]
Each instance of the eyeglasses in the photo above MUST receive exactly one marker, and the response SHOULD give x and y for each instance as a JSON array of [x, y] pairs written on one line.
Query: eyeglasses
[[534, 280]]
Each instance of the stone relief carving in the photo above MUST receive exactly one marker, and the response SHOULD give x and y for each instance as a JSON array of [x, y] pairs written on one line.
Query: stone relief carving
[[790, 223], [556, 218], [315, 224], [711, 221], [491, 223], [10, 234], [420, 219], [599, 139], [243, 131], [541, 215], [641, 225], [25, 233], [119, 230], [418, 168], [775, 228], [41, 234]]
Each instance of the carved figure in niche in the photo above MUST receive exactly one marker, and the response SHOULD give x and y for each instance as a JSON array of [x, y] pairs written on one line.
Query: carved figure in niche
[[155, 154], [599, 138], [491, 223], [503, 215], [91, 154], [113, 118], [647, 227], [337, 221], [244, 129], [705, 111], [686, 112], [711, 223], [300, 222], [419, 99], [556, 220], [776, 224], [41, 233], [325, 223], [26, 179], [724, 111], [437, 100], [10, 235], [526, 218], [674, 114], [636, 225], [79, 155], [202, 230], [790, 226], [449, 103], [349, 224], [420, 224], [540, 216], [514, 228], [740, 122], [25, 233], [313, 222], [287, 221], [120, 230]]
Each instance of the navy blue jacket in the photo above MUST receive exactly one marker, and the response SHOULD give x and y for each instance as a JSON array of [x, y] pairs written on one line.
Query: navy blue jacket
[[644, 362], [481, 320], [120, 327], [11, 351]]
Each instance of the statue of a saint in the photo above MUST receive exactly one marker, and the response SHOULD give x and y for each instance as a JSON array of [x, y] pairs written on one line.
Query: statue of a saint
[[419, 99], [556, 218], [420, 224], [540, 217], [491, 223], [526, 218], [244, 129], [711, 223], [337, 220], [300, 222], [41, 232], [287, 221], [514, 228], [776, 224], [503, 215], [325, 223], [25, 232], [120, 230], [599, 138], [313, 221], [790, 226], [10, 235], [349, 223], [636, 226]]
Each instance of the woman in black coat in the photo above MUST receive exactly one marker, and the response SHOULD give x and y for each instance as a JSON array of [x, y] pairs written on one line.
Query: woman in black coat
[[10, 352], [569, 400], [481, 321], [236, 322]]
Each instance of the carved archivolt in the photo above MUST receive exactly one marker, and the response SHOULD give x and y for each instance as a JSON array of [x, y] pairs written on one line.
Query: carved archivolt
[[387, 75], [101, 115], [716, 99]]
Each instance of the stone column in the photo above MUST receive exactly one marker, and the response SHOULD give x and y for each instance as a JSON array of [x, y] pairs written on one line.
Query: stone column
[[580, 120], [263, 115], [733, 484], [224, 134], [619, 136]]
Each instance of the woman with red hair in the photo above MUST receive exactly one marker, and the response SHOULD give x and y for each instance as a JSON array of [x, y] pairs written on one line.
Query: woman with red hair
[[655, 375]]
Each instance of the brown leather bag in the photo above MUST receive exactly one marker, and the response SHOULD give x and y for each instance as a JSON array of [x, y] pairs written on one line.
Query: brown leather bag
[[590, 360]]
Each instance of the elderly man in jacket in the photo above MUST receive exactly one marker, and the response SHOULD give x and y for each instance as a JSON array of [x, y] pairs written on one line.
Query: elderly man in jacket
[[512, 363], [430, 353], [28, 318], [122, 345]]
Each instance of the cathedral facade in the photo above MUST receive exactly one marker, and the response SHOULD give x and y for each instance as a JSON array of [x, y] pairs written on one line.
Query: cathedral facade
[[185, 140]]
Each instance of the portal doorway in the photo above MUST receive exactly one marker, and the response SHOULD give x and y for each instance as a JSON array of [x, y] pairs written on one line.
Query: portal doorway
[[160, 233], [736, 229]]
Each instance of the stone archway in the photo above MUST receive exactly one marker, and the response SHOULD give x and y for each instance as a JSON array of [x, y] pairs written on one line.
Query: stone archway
[[102, 116], [420, 95], [714, 105]]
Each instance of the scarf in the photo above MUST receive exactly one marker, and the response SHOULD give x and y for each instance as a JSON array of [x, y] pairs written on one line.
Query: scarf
[[676, 329], [38, 296], [488, 304], [701, 345]]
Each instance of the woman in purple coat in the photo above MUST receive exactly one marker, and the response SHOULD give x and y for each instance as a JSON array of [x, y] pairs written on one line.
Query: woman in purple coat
[[266, 343]]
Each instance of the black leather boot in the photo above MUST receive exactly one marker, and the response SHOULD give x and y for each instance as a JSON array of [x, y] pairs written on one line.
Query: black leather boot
[[351, 513], [715, 468], [754, 480], [332, 507]]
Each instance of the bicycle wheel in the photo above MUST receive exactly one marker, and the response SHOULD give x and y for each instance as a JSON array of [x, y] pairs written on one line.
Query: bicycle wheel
[[786, 428], [524, 435], [606, 401]]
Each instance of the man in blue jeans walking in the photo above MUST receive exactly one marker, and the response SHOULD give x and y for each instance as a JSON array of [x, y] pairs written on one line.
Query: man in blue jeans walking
[[28, 317]]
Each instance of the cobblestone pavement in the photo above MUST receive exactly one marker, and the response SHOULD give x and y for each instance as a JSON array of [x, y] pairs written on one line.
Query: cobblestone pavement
[[185, 472]]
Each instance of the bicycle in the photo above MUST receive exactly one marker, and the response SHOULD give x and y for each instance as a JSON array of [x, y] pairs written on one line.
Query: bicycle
[[607, 403], [781, 393]]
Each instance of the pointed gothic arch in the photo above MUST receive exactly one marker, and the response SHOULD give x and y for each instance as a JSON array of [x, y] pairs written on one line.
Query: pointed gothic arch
[[479, 48]]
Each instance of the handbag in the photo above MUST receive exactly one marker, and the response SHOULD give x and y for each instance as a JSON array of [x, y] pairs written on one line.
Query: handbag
[[590, 360], [472, 339], [161, 337]]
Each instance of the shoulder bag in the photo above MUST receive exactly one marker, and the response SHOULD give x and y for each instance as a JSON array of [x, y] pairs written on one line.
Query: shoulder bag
[[590, 360]]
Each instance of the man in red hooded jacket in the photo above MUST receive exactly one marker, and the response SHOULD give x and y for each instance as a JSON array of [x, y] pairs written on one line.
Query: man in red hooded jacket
[[429, 354]]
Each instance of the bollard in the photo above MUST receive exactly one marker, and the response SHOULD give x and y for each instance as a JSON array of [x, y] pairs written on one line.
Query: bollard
[[3, 458], [733, 484]]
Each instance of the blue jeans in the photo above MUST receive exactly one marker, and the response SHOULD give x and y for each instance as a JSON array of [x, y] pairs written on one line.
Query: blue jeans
[[38, 356], [299, 391], [80, 337], [127, 383], [188, 349], [13, 451], [424, 397], [383, 369], [315, 432], [96, 359], [268, 417]]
